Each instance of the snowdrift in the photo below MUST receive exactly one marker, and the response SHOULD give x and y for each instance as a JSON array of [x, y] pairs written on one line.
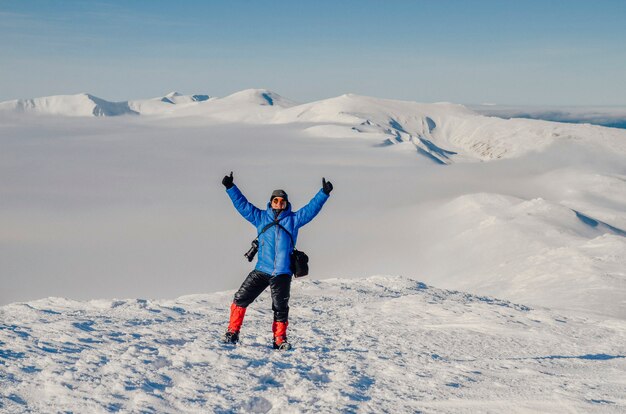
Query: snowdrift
[[381, 344]]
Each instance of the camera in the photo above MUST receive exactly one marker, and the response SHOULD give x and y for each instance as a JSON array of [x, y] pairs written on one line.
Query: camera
[[253, 250]]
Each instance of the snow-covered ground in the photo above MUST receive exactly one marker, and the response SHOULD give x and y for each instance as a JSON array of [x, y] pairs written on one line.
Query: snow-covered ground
[[123, 200], [380, 344]]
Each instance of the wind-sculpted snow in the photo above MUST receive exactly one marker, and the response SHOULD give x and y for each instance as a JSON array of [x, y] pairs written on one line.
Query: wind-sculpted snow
[[381, 344]]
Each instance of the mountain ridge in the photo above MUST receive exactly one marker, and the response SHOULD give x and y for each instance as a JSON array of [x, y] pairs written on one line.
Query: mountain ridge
[[443, 132]]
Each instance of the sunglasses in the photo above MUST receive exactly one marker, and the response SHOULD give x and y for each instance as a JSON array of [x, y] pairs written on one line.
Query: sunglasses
[[277, 200]]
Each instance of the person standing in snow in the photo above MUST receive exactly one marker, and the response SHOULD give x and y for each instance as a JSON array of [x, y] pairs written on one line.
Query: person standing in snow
[[273, 266]]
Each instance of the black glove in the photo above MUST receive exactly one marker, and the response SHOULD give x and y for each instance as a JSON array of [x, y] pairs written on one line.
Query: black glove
[[228, 180], [327, 186]]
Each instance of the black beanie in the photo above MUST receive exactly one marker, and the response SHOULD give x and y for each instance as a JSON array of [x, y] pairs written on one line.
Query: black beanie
[[279, 193]]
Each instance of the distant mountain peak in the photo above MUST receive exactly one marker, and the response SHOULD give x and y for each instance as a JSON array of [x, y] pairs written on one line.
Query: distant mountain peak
[[81, 104], [178, 98], [260, 97]]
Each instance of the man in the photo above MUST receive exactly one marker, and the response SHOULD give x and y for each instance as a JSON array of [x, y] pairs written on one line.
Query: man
[[277, 227]]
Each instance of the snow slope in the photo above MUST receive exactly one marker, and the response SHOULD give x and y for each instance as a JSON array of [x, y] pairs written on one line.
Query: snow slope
[[535, 251], [381, 344]]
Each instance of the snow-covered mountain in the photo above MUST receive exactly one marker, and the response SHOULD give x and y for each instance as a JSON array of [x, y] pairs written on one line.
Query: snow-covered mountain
[[178, 98], [165, 104], [443, 132], [68, 105], [381, 344], [256, 106]]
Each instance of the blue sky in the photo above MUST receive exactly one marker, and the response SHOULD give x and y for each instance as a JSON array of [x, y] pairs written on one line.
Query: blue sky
[[506, 52]]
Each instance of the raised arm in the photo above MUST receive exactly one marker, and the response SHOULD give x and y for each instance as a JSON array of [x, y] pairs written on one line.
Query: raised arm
[[308, 212], [248, 210]]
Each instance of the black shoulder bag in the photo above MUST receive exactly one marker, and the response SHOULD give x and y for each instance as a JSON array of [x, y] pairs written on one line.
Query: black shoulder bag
[[299, 259]]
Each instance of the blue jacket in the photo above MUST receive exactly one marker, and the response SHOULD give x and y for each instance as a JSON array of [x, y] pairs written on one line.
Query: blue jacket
[[274, 257]]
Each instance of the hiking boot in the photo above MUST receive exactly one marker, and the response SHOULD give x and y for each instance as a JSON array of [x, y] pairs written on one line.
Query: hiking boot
[[281, 344], [231, 337]]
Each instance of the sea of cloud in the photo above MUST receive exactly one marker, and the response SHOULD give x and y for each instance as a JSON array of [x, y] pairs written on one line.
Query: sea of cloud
[[134, 207], [609, 116]]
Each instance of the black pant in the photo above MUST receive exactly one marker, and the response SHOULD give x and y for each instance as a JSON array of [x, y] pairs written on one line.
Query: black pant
[[256, 282]]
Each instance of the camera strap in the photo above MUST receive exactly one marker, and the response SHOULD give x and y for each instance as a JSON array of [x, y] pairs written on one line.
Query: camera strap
[[276, 223]]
